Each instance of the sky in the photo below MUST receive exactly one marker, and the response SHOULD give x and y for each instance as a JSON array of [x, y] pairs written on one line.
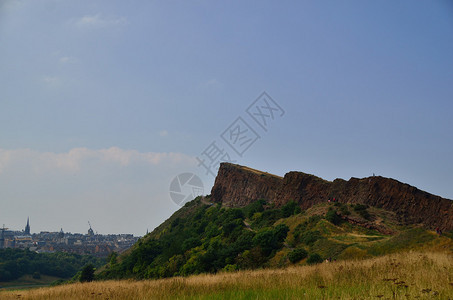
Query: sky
[[104, 103]]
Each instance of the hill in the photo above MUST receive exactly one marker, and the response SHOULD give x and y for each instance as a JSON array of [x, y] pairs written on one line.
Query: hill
[[238, 186], [258, 220], [394, 276]]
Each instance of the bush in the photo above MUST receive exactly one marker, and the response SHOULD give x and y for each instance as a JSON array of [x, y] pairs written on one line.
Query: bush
[[280, 232], [267, 218], [271, 239], [87, 274], [361, 209], [257, 206], [344, 210], [314, 258], [333, 217], [365, 214], [310, 237], [288, 209], [190, 243], [297, 255]]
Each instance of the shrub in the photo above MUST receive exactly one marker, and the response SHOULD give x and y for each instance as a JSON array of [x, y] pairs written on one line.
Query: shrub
[[252, 208], [190, 243], [288, 209], [87, 274], [280, 232], [314, 258], [333, 217], [297, 255], [364, 214], [310, 237], [344, 210], [361, 209]]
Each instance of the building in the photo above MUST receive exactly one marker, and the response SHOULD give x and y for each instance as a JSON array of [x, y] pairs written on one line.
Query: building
[[27, 227]]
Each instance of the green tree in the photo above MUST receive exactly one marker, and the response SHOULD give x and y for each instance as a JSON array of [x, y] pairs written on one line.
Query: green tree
[[288, 209], [112, 258], [333, 217], [87, 274], [297, 255], [314, 258]]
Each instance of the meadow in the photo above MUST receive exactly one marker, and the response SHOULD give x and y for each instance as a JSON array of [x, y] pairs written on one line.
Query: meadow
[[406, 275]]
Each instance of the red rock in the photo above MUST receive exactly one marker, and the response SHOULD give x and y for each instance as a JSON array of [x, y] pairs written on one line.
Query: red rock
[[237, 186]]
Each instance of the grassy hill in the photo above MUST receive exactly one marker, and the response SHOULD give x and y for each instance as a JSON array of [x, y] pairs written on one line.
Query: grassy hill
[[206, 238], [329, 251], [394, 276]]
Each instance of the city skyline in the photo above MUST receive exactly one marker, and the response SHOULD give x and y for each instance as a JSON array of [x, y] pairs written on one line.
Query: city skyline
[[30, 231]]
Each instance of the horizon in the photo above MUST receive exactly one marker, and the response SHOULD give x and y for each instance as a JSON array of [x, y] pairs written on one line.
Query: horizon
[[117, 113]]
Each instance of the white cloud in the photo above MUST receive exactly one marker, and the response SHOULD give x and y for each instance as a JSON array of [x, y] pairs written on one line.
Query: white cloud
[[98, 21], [120, 190], [79, 158], [67, 60], [212, 84], [163, 133], [51, 81], [12, 4]]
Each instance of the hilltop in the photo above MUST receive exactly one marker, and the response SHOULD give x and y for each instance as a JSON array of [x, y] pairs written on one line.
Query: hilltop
[[238, 186]]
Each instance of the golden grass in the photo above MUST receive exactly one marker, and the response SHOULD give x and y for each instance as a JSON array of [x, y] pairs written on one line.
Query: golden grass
[[397, 276]]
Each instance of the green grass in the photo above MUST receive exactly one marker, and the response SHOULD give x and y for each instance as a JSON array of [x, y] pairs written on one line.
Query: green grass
[[27, 281]]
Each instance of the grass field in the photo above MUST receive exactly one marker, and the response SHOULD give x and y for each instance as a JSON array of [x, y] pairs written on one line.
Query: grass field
[[28, 281], [412, 275]]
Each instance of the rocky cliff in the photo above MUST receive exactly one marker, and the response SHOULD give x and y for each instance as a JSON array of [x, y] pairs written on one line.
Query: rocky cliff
[[238, 186]]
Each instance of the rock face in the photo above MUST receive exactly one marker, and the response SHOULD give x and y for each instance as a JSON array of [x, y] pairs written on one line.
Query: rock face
[[237, 186]]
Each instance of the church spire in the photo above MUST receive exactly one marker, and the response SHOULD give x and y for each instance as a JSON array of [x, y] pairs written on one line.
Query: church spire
[[27, 228]]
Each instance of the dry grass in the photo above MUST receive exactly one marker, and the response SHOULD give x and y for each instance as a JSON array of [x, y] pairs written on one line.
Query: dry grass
[[398, 276]]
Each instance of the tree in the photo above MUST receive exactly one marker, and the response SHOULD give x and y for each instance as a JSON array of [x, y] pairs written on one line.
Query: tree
[[314, 258], [288, 209], [333, 217], [112, 258], [297, 255], [87, 274], [266, 240]]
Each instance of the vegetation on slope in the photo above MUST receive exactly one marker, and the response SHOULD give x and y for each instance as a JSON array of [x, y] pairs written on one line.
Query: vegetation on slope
[[207, 238], [15, 263], [409, 275]]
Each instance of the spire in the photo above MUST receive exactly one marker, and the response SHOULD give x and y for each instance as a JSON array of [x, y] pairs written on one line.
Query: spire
[[27, 228]]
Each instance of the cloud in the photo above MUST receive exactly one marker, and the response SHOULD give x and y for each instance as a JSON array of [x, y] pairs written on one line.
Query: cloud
[[79, 158], [12, 4], [52, 81], [211, 84], [98, 21], [121, 190], [163, 132], [67, 60]]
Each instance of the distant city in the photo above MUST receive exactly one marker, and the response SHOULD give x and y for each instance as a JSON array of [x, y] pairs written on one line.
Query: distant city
[[90, 243]]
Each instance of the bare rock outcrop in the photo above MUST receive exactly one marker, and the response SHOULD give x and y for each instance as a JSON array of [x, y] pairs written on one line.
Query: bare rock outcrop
[[237, 186]]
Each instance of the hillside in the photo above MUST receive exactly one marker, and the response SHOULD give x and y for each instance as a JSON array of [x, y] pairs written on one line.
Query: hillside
[[228, 231], [395, 276]]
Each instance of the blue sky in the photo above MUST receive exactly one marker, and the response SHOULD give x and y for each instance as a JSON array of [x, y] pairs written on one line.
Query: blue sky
[[103, 103]]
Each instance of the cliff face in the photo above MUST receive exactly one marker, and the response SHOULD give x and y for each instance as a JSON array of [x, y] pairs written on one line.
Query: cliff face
[[238, 186]]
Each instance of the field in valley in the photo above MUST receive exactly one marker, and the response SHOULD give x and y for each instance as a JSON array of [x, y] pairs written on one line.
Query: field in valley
[[411, 275]]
